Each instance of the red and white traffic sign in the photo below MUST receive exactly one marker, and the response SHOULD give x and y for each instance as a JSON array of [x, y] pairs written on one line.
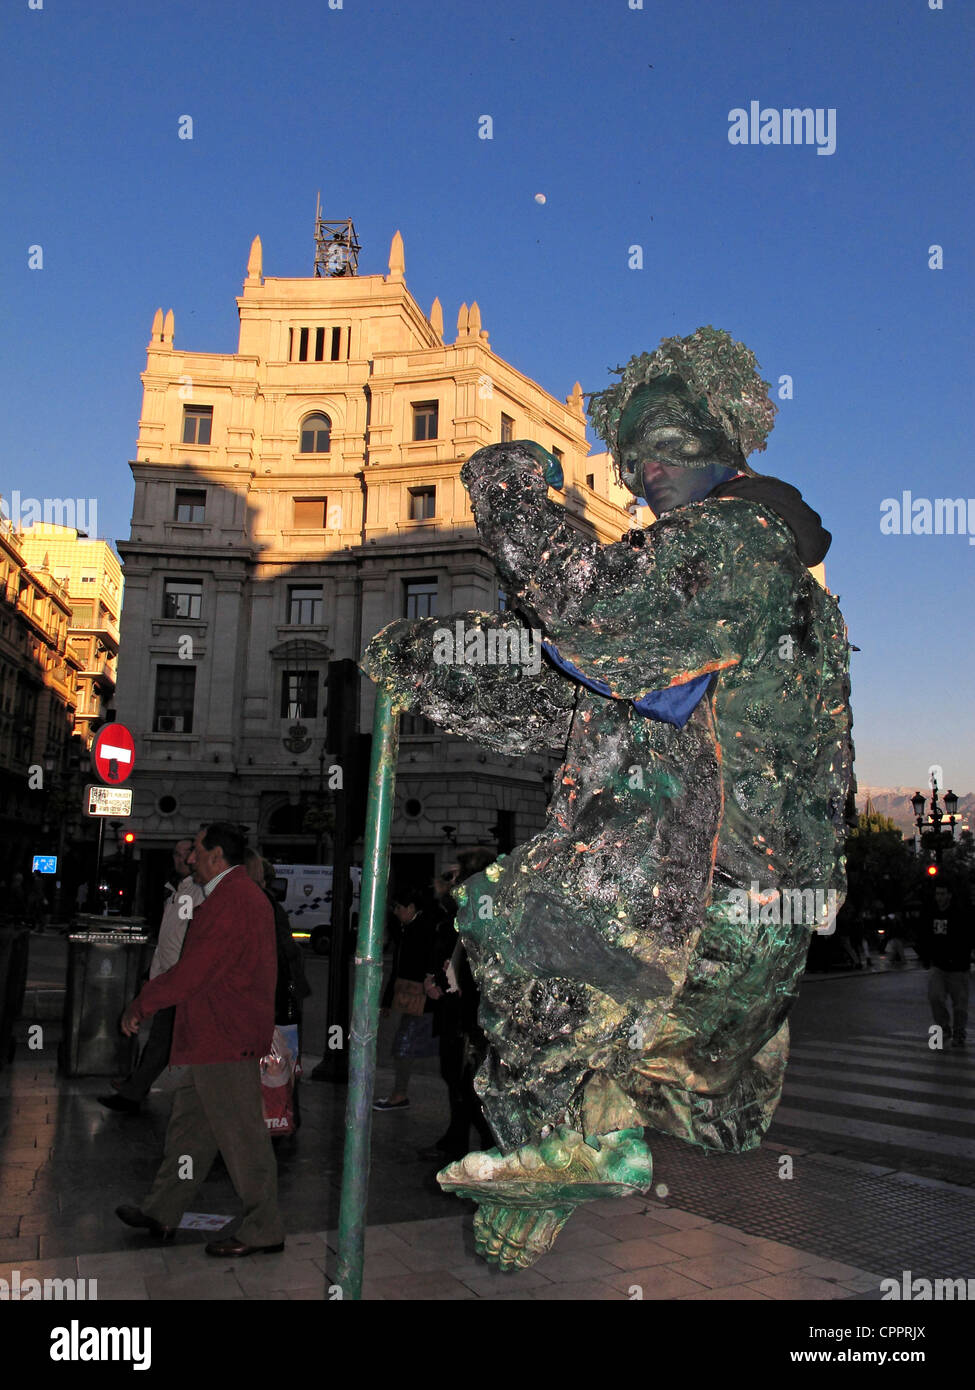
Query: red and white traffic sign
[[113, 753]]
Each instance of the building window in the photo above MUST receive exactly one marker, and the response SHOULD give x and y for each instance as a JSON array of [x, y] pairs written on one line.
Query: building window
[[319, 345], [316, 433], [302, 344], [502, 600], [310, 513], [336, 344], [558, 454], [190, 504], [175, 687], [197, 423], [420, 598], [507, 429], [591, 481], [423, 503], [413, 724], [182, 598], [425, 420], [305, 605], [88, 578], [299, 695]]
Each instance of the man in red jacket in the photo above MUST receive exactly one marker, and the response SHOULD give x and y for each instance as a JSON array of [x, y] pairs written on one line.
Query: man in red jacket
[[223, 991]]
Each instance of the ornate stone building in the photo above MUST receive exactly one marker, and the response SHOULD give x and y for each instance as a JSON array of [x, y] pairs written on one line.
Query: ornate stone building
[[91, 573], [38, 696], [291, 498]]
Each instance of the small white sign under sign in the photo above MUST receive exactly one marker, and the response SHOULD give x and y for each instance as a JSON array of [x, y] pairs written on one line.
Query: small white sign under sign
[[108, 801]]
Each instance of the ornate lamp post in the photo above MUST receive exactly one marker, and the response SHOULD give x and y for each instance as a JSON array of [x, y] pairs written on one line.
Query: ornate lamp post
[[932, 826]]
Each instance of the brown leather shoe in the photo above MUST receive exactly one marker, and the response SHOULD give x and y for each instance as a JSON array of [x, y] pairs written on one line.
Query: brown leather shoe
[[132, 1216], [232, 1248]]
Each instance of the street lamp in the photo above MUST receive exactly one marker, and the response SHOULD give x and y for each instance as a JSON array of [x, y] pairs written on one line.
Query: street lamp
[[936, 814]]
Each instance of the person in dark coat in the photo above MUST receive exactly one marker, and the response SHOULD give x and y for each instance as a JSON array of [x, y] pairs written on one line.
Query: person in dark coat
[[945, 947]]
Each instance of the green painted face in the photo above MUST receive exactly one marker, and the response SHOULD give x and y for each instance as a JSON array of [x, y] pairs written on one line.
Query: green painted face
[[671, 452]]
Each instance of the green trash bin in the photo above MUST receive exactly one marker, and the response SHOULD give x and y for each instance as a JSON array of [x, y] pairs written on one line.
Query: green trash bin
[[107, 959]]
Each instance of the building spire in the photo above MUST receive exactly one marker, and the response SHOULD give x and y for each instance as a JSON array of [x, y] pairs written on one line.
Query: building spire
[[436, 317], [397, 258], [255, 262]]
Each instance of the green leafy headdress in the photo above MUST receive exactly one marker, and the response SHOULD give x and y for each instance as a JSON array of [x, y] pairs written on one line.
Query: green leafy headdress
[[719, 372]]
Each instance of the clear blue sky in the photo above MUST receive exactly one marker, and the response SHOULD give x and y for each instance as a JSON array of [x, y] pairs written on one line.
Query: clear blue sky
[[620, 117]]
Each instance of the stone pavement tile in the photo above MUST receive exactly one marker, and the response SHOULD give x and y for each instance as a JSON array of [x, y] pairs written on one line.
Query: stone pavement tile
[[380, 1266], [11, 1226], [306, 1294], [20, 1248], [487, 1281], [39, 1223], [205, 1284], [633, 1227], [718, 1271], [121, 1290], [732, 1232], [427, 1232], [654, 1282], [832, 1269], [699, 1241], [434, 1285], [788, 1284], [118, 1264], [587, 1235], [583, 1291], [621, 1206], [41, 1269], [569, 1267], [854, 1165], [23, 1203], [266, 1272], [863, 1283], [680, 1220], [778, 1255], [733, 1293], [637, 1254]]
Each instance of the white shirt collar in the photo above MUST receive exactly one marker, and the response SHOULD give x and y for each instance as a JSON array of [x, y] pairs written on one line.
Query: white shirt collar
[[209, 887]]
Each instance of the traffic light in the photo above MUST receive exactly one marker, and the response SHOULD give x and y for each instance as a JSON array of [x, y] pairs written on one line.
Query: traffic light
[[129, 837], [932, 871]]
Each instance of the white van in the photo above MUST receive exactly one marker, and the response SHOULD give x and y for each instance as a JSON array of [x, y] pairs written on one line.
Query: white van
[[305, 892]]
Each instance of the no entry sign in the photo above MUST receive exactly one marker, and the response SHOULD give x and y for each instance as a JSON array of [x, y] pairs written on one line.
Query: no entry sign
[[113, 753]]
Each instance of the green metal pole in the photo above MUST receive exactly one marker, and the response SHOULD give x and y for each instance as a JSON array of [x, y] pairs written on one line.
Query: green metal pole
[[365, 1004]]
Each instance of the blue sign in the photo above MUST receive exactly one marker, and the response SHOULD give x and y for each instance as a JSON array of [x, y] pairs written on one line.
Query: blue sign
[[44, 864]]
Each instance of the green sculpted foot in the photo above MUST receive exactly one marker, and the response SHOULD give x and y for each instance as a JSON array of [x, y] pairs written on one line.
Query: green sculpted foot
[[526, 1197]]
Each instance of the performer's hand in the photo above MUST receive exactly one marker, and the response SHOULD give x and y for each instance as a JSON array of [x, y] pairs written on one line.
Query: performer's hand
[[129, 1022], [431, 990]]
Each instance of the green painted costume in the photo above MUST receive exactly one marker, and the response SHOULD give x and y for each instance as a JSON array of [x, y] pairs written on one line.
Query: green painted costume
[[637, 959]]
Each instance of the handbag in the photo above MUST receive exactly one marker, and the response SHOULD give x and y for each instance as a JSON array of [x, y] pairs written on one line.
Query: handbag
[[409, 997]]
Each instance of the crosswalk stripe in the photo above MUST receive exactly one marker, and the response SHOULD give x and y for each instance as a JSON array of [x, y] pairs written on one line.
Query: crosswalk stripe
[[894, 1104], [871, 1075], [927, 1142], [922, 1056]]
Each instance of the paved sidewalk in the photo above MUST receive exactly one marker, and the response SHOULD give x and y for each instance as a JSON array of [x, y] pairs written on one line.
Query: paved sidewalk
[[776, 1225]]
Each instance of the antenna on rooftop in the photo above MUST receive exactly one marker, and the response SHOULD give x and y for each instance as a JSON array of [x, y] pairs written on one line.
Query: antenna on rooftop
[[336, 245]]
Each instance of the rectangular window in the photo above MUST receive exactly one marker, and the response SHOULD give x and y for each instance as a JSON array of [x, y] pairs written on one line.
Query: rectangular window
[[291, 344], [175, 688], [310, 513], [558, 453], [305, 605], [182, 598], [591, 481], [423, 503], [299, 695], [502, 600], [197, 422], [81, 615], [507, 429], [319, 345], [302, 344], [417, 724], [190, 504], [336, 343], [88, 578], [425, 420], [420, 598]]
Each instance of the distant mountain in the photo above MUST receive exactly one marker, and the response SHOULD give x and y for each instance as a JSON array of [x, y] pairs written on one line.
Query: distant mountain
[[895, 802]]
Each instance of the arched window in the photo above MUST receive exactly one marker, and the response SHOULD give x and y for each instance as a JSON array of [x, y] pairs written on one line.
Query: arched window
[[315, 435]]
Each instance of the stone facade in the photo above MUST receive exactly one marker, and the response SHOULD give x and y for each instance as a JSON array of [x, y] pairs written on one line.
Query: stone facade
[[292, 498]]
